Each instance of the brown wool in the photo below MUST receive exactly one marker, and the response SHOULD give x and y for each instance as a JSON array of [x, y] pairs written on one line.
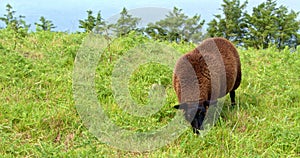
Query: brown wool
[[208, 72]]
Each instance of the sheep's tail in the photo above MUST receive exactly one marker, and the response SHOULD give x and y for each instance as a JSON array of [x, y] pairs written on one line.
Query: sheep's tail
[[239, 76]]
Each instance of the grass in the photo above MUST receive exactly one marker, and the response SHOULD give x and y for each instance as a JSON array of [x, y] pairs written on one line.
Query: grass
[[38, 117]]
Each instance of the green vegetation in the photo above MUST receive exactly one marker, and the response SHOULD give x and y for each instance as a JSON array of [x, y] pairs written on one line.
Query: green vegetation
[[177, 27], [125, 23], [45, 25], [17, 24], [92, 22], [232, 24], [38, 117], [268, 24]]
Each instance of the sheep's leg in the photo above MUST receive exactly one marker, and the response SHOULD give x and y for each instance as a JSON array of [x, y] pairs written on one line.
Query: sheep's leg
[[232, 97]]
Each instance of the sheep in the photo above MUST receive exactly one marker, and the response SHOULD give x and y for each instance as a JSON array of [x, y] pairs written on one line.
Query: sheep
[[205, 74]]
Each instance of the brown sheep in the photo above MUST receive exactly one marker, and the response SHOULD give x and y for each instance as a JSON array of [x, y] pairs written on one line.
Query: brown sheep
[[205, 74]]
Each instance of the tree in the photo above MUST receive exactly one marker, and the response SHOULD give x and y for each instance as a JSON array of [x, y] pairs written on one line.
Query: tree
[[125, 23], [270, 24], [9, 17], [192, 30], [156, 32], [15, 25], [18, 25], [298, 36], [92, 23], [177, 27], [100, 25], [232, 25], [261, 25], [288, 26], [46, 25]]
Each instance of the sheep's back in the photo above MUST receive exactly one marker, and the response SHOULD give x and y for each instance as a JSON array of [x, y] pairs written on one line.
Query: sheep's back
[[231, 62], [214, 65]]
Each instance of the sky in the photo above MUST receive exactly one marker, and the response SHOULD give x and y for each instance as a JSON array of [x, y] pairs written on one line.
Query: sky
[[65, 14]]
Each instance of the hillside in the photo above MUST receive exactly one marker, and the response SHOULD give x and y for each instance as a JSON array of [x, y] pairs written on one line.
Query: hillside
[[38, 116]]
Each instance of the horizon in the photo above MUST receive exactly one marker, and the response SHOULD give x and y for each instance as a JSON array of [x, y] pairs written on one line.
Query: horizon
[[65, 15]]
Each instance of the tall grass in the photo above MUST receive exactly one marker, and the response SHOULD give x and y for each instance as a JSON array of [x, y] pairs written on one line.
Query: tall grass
[[38, 117]]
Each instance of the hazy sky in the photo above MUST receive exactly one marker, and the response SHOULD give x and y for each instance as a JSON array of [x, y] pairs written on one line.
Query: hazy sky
[[66, 13]]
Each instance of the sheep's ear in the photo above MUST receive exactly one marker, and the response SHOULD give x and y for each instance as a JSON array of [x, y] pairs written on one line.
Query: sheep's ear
[[181, 106], [176, 106]]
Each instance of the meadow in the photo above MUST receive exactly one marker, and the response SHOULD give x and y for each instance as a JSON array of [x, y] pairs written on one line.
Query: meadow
[[38, 117]]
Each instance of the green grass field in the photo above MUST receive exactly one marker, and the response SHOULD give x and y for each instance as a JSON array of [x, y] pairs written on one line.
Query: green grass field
[[38, 117]]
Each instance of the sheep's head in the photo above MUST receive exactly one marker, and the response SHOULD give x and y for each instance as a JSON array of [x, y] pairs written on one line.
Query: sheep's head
[[194, 112]]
